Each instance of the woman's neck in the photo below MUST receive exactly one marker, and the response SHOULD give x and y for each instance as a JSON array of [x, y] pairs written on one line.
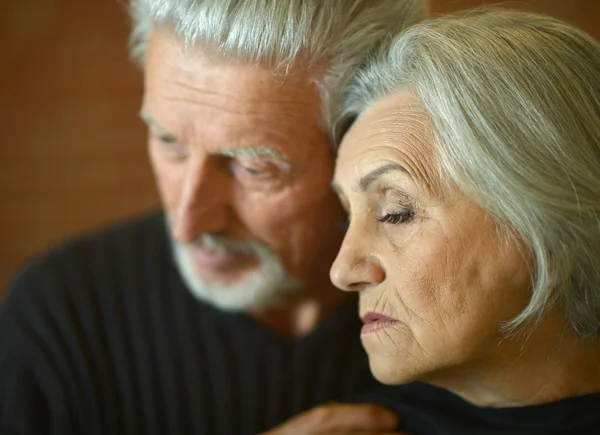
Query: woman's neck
[[546, 366]]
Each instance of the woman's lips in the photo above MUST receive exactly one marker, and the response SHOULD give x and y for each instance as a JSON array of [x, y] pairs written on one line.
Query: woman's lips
[[375, 321]]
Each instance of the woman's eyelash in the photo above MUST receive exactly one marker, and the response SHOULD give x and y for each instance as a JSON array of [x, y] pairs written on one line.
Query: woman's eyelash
[[392, 218], [397, 218]]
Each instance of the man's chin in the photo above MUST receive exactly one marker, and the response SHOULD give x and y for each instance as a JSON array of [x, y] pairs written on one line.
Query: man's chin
[[248, 292], [250, 285], [223, 277]]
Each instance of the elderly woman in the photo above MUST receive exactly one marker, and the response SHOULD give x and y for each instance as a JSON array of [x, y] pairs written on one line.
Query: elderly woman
[[472, 182]]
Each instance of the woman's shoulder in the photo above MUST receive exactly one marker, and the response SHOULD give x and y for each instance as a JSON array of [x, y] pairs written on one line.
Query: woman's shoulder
[[426, 409]]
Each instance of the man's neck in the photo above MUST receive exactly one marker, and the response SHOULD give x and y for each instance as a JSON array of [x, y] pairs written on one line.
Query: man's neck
[[301, 313]]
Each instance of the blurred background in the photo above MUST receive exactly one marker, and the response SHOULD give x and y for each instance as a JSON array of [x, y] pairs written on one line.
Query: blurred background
[[72, 152]]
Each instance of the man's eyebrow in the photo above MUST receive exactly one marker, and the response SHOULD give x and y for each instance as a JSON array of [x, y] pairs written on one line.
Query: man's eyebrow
[[376, 173], [254, 152], [149, 120], [250, 151]]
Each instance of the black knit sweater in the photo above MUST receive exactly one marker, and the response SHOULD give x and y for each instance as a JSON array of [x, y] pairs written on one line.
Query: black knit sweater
[[102, 337]]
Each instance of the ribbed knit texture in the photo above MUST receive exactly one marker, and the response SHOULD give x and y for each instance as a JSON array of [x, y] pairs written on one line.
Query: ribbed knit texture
[[427, 410], [101, 337]]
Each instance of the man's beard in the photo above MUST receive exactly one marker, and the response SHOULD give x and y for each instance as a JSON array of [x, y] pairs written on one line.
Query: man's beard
[[262, 287]]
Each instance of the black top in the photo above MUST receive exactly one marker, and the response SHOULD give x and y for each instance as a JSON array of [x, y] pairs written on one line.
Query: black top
[[427, 410], [102, 337]]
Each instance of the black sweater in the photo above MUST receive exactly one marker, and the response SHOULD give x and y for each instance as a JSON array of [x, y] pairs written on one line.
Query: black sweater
[[427, 410], [102, 337]]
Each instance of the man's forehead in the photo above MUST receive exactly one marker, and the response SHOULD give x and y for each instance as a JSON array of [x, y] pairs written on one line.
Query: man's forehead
[[234, 107], [202, 58]]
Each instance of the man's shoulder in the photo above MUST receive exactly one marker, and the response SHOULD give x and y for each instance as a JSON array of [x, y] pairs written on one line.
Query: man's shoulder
[[97, 261], [68, 312], [132, 232]]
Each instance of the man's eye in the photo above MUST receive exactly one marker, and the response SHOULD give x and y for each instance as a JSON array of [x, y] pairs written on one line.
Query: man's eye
[[256, 173], [167, 139], [171, 148], [247, 167], [252, 170]]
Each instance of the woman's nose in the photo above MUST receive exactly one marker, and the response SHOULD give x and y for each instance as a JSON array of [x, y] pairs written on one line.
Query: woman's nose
[[355, 269]]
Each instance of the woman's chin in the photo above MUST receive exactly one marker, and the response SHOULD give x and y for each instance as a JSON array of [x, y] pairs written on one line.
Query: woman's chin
[[390, 372], [387, 364]]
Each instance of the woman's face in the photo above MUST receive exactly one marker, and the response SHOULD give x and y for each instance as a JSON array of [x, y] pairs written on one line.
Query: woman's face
[[435, 274]]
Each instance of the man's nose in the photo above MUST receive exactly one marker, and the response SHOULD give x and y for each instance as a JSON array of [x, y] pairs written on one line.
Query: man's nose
[[356, 267], [203, 205]]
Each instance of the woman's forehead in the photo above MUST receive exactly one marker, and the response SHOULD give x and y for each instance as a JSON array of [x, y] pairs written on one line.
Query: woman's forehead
[[393, 130], [391, 119]]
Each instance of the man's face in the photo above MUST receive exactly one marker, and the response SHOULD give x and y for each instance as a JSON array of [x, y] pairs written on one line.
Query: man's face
[[243, 169]]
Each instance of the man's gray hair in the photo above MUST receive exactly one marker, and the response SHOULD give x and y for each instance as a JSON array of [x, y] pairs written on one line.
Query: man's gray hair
[[339, 33], [514, 99]]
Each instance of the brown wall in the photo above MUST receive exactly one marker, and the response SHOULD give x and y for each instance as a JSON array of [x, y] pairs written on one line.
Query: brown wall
[[72, 153]]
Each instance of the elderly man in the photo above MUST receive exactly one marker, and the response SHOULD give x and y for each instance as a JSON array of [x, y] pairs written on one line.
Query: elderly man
[[216, 315]]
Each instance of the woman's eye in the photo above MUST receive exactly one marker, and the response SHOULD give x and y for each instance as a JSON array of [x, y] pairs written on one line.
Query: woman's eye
[[397, 218]]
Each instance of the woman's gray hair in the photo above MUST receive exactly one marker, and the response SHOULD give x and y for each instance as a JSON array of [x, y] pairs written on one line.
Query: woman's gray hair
[[338, 32], [514, 98]]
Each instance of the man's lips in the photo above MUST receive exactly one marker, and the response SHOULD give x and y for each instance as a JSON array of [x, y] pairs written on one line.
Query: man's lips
[[375, 321], [212, 259]]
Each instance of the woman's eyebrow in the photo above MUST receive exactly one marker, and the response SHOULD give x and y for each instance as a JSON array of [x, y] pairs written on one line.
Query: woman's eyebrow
[[376, 173], [368, 179]]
